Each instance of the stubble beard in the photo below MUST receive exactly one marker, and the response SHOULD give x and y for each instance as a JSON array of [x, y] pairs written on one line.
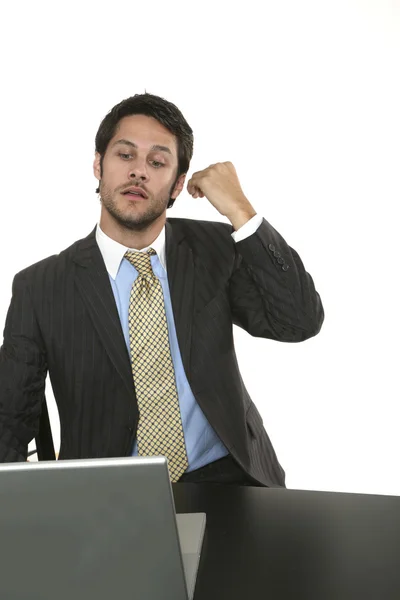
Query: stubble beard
[[129, 219]]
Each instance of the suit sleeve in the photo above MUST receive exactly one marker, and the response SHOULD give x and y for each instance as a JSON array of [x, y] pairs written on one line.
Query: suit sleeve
[[271, 294], [23, 371]]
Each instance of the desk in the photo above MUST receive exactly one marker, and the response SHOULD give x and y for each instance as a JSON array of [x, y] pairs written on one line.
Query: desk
[[279, 544]]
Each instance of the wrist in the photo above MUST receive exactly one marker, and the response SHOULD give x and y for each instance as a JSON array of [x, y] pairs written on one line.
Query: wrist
[[240, 218]]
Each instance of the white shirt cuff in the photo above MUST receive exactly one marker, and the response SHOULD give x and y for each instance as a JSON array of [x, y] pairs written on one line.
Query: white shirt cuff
[[247, 229]]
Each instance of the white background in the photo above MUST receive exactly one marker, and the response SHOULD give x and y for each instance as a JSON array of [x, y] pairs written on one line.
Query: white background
[[303, 98]]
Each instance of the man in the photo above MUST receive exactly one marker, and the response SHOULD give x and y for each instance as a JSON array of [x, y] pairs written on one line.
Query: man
[[134, 322]]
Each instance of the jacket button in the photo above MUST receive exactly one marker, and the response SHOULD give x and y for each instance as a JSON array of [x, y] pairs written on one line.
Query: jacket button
[[280, 261], [277, 254], [285, 267], [271, 247]]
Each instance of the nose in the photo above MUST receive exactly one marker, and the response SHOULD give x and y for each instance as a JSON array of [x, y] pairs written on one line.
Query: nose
[[138, 170]]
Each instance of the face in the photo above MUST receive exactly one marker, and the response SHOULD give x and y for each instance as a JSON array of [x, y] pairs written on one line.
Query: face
[[144, 154]]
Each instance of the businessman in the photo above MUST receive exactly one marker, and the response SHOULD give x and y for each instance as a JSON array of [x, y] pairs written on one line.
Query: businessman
[[133, 323]]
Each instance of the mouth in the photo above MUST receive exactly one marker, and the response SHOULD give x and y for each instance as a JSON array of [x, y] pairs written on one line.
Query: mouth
[[135, 193]]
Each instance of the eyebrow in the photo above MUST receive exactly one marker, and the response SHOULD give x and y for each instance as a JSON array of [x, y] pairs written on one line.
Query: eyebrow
[[156, 147]]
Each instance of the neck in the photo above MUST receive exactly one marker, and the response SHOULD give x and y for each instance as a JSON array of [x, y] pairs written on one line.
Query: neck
[[132, 238]]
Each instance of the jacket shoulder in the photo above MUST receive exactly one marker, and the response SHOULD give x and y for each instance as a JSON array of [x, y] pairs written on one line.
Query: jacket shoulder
[[211, 242], [200, 225], [50, 263]]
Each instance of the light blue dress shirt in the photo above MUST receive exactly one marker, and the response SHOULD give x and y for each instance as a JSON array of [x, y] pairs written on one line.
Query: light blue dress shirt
[[202, 443]]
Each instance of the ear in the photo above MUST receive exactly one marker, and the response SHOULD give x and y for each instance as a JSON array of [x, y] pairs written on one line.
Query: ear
[[96, 166], [179, 186]]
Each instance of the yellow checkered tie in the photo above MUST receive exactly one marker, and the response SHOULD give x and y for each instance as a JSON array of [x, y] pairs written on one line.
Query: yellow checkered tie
[[160, 431]]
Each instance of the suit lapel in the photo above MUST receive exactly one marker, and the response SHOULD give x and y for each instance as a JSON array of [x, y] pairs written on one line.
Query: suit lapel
[[93, 283], [181, 277]]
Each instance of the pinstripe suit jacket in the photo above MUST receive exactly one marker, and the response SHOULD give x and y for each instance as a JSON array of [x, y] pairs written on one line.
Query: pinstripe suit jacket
[[63, 321]]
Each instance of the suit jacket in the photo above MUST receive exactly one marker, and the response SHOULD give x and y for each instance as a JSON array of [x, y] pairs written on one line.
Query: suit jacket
[[63, 320]]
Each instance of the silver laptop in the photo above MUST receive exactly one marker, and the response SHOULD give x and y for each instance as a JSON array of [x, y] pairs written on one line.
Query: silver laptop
[[95, 529]]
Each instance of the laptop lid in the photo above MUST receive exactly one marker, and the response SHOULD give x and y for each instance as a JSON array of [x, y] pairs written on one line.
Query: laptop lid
[[90, 529]]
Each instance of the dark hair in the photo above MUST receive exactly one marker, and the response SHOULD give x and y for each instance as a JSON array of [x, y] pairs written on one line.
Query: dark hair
[[165, 112]]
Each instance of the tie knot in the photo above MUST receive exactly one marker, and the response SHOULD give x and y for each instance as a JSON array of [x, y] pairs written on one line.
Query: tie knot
[[141, 260]]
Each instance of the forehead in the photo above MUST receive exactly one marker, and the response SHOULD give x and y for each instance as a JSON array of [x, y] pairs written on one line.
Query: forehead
[[145, 132]]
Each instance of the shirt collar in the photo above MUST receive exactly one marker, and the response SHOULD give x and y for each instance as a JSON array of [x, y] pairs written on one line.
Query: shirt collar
[[113, 252]]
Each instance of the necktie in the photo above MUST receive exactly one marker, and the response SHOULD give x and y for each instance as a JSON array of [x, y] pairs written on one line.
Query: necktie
[[160, 431]]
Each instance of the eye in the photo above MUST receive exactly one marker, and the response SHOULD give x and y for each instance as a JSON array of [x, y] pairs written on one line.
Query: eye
[[156, 162], [123, 155]]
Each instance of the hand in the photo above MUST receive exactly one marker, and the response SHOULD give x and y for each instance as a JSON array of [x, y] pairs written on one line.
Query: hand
[[220, 184]]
